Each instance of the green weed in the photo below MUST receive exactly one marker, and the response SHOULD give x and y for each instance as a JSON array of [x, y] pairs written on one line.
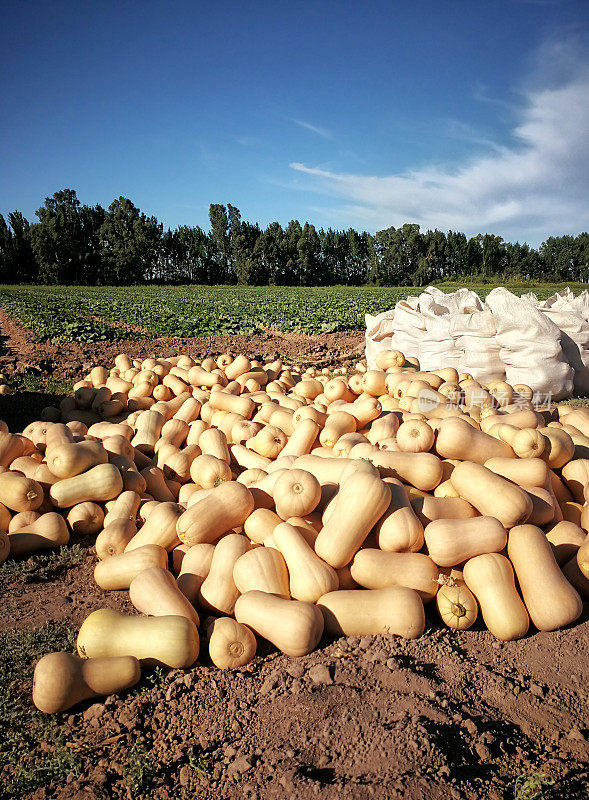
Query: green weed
[[140, 769], [531, 787]]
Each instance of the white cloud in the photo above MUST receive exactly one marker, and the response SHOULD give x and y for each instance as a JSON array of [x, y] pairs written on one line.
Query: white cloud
[[323, 132], [536, 187]]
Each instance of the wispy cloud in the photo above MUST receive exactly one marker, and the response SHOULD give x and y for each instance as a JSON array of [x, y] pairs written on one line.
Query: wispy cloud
[[536, 187], [323, 132]]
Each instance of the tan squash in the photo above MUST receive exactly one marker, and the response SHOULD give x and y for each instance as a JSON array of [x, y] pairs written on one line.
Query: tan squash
[[296, 493], [47, 532], [455, 602], [565, 539], [117, 571], [115, 537], [218, 591], [368, 612], [415, 436], [159, 528], [194, 568], [19, 493], [399, 529], [457, 439], [263, 569], [231, 644], [583, 557], [209, 471], [125, 507], [428, 508], [375, 569], [310, 577], [102, 482], [154, 592], [526, 472], [22, 520], [559, 448], [170, 641], [490, 578], [68, 460], [260, 523], [422, 470], [491, 495], [293, 626], [450, 541], [226, 507], [62, 680], [575, 475], [85, 519], [550, 599], [359, 504]]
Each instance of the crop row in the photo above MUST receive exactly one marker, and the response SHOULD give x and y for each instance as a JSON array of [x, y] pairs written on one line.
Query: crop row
[[90, 314]]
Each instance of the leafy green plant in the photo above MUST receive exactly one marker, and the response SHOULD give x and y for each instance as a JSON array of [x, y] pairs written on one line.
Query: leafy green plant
[[24, 728], [531, 787], [140, 769]]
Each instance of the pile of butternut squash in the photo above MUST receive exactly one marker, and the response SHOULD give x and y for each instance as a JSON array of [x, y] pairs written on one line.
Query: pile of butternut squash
[[261, 500]]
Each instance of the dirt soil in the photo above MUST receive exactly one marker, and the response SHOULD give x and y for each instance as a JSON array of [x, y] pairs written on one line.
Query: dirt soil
[[450, 715], [19, 353]]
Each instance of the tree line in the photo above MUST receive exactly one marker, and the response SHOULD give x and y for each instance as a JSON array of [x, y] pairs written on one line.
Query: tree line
[[73, 243]]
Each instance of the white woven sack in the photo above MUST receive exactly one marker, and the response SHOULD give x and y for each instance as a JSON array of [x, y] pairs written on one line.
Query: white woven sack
[[569, 316], [475, 334], [438, 347], [530, 346], [400, 329]]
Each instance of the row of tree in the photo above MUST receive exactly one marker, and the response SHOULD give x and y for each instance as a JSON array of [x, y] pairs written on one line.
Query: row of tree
[[79, 244]]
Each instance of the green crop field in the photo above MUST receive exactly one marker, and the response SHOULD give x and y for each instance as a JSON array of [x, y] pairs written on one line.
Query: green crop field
[[96, 313]]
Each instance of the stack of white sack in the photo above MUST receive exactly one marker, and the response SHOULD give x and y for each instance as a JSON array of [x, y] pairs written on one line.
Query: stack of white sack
[[544, 344]]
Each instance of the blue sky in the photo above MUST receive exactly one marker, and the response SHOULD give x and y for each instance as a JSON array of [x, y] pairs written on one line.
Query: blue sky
[[463, 114]]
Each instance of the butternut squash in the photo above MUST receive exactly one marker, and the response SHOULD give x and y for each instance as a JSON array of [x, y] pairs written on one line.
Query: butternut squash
[[399, 529], [310, 577], [491, 494], [458, 439], [218, 591], [428, 508], [422, 470], [296, 493], [159, 528], [456, 604], [154, 592], [19, 493], [368, 612], [170, 641], [117, 571], [565, 539], [124, 507], [260, 523], [550, 599], [583, 557], [559, 448], [85, 519], [359, 504], [575, 475], [525, 472], [68, 460], [490, 578], [415, 436], [22, 520], [194, 568], [450, 542], [115, 537], [293, 626], [226, 507], [231, 644], [48, 531], [209, 471], [62, 680], [375, 569], [263, 569], [102, 482]]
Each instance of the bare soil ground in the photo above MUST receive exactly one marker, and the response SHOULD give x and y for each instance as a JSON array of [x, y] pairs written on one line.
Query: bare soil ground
[[451, 715]]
